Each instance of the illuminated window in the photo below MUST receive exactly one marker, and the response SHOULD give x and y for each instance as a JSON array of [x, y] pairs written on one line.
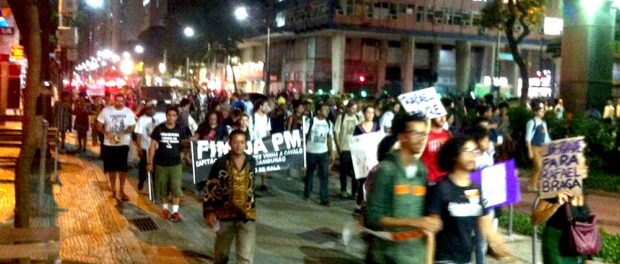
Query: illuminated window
[[280, 19]]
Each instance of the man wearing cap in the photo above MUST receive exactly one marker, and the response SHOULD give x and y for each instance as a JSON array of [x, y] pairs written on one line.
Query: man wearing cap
[[536, 135]]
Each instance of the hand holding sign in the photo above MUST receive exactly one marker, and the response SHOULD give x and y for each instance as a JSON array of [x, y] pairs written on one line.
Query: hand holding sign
[[563, 167], [425, 101]]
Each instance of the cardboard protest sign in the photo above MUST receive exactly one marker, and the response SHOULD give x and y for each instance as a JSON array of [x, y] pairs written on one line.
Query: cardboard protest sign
[[562, 170], [500, 185], [425, 101], [364, 152], [280, 152]]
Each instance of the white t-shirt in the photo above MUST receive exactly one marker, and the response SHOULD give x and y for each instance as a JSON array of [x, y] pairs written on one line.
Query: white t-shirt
[[344, 129], [145, 126], [386, 121], [116, 121], [261, 126], [317, 136]]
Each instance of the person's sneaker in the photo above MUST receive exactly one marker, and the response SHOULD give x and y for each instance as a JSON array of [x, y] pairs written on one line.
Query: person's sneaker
[[345, 195], [175, 217], [326, 204], [262, 188], [165, 214]]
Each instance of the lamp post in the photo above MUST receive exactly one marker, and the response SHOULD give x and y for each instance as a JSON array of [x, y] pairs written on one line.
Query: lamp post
[[241, 13], [189, 33]]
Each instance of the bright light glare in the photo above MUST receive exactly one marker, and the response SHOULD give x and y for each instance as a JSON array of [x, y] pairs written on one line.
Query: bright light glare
[[126, 54], [139, 49], [96, 4], [553, 26], [188, 31], [127, 66], [241, 13], [162, 67]]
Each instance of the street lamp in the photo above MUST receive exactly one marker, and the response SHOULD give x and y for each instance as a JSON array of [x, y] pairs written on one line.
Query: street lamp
[[188, 31], [138, 49], [241, 13]]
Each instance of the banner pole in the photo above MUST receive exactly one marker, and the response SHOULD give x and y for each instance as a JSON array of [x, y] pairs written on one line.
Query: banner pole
[[303, 139], [193, 163], [510, 219], [534, 232], [150, 183]]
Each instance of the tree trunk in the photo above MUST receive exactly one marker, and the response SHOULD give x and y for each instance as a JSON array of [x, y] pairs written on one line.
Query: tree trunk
[[518, 58], [33, 81]]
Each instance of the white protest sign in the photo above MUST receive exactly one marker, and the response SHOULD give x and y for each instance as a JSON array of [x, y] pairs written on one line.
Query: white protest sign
[[425, 101], [364, 152], [563, 167]]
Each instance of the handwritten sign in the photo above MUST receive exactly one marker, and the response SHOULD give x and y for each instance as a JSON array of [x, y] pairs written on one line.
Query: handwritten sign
[[424, 101], [364, 152], [500, 185], [563, 161]]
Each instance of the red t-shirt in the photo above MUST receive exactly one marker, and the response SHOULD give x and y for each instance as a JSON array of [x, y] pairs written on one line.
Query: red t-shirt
[[431, 153]]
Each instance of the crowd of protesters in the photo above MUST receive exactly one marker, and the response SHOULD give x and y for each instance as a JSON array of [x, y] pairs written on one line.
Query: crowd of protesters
[[422, 182]]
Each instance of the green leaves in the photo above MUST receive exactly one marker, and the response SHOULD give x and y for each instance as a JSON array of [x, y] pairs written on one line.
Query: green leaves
[[498, 15]]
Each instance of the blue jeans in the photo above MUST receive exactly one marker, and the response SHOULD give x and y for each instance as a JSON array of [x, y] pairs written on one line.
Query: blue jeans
[[322, 161]]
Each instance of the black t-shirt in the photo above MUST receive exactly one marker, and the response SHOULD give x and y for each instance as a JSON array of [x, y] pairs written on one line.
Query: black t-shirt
[[169, 144], [459, 208]]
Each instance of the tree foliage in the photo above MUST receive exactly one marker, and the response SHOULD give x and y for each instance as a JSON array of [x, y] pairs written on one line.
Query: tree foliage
[[517, 19], [217, 32]]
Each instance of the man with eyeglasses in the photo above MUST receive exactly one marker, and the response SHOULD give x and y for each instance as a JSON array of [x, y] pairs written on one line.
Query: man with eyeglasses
[[396, 202], [437, 137]]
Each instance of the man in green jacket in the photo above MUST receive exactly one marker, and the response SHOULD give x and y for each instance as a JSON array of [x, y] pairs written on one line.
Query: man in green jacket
[[396, 200]]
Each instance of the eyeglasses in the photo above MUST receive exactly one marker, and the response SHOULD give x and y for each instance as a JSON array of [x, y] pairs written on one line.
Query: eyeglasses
[[417, 133], [472, 151]]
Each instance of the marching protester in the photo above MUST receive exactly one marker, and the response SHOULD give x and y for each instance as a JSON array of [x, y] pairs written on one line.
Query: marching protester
[[228, 207], [62, 117], [344, 127], [480, 135], [164, 157], [437, 137], [557, 214], [396, 201], [96, 106], [458, 202], [536, 135], [82, 112], [296, 120], [144, 127], [367, 126], [319, 152], [244, 126], [211, 129], [387, 117], [261, 127], [116, 123]]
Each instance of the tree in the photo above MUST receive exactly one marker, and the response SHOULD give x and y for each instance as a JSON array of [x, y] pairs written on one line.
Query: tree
[[26, 14], [516, 18]]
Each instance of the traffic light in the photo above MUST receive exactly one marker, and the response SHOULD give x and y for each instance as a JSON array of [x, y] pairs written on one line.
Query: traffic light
[[361, 78]]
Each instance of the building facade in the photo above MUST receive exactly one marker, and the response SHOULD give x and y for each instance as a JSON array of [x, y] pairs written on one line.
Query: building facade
[[380, 45]]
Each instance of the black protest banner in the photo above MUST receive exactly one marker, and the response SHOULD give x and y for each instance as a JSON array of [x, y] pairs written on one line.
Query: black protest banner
[[279, 152], [563, 167]]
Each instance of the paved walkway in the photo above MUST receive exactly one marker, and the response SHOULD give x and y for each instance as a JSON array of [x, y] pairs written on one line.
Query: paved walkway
[[91, 227]]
